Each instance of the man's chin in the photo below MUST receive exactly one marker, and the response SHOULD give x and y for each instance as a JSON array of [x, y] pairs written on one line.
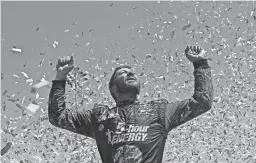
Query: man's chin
[[131, 83], [131, 87]]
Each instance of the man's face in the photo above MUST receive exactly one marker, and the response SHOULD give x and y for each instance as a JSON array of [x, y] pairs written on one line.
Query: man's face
[[126, 81]]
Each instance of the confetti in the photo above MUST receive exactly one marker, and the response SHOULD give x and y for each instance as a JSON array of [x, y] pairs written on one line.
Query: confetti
[[55, 43], [67, 30], [41, 63], [32, 158], [111, 4], [24, 74], [186, 27], [19, 106], [6, 148], [12, 100], [16, 50], [39, 85], [29, 81], [32, 108], [16, 76], [148, 55], [54, 46], [23, 99], [4, 93], [88, 44]]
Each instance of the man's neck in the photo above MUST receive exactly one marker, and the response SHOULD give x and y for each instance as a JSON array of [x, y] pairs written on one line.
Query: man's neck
[[127, 102], [126, 99]]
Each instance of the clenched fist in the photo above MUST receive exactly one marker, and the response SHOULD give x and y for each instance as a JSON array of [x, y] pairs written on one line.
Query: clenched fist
[[64, 66], [195, 53]]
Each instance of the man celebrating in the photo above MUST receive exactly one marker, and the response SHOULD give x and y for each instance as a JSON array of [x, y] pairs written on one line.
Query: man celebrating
[[131, 132]]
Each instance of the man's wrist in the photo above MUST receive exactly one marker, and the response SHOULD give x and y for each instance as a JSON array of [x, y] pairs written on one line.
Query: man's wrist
[[201, 63], [61, 78]]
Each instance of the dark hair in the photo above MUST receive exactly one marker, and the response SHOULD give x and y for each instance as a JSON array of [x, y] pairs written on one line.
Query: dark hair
[[112, 80]]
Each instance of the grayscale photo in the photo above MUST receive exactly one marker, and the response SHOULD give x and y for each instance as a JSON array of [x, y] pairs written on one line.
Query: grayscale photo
[[128, 82]]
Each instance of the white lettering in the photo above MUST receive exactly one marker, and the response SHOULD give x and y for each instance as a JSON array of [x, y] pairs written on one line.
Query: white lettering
[[137, 137], [144, 135], [131, 137], [114, 139], [145, 129], [134, 133]]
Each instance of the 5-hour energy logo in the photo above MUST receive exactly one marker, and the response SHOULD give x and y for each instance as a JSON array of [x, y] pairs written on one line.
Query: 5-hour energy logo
[[133, 133]]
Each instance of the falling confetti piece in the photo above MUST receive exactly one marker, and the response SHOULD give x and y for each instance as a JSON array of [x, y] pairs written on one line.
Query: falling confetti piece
[[12, 100], [19, 106], [37, 29], [32, 108], [148, 55], [39, 85], [41, 63], [32, 158], [67, 30], [55, 43], [4, 93], [37, 96], [23, 99], [111, 4], [24, 74], [186, 27], [16, 76], [6, 148], [16, 50], [29, 81]]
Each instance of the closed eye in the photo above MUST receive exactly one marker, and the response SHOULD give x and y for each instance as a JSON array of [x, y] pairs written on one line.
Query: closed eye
[[122, 72]]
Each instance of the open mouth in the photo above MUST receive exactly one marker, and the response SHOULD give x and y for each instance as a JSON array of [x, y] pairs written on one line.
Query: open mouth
[[130, 79]]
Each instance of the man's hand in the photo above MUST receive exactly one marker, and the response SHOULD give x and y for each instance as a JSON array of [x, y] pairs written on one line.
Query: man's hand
[[64, 66], [195, 53]]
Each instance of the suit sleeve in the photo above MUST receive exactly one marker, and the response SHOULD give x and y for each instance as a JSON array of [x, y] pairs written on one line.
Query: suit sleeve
[[181, 112], [71, 119]]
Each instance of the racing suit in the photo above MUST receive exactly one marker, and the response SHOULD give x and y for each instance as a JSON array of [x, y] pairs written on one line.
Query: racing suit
[[132, 132]]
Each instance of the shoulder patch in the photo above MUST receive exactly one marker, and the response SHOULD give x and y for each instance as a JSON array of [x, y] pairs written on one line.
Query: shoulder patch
[[100, 108]]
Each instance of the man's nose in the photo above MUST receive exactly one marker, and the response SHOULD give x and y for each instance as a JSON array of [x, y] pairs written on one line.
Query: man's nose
[[130, 73]]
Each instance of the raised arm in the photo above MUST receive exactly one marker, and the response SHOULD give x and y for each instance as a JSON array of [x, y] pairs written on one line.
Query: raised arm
[[182, 111], [71, 119]]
